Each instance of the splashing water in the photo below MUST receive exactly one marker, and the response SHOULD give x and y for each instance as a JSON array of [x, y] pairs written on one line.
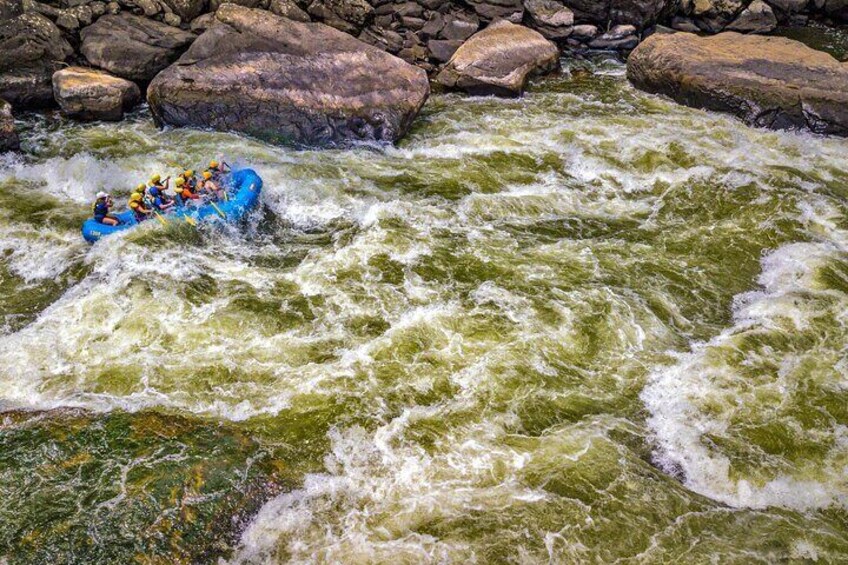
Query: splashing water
[[586, 325]]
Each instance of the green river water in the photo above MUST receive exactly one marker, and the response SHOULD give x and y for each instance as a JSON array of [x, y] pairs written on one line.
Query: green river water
[[588, 325]]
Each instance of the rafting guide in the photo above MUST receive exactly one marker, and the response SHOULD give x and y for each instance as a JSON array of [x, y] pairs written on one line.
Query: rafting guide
[[219, 192]]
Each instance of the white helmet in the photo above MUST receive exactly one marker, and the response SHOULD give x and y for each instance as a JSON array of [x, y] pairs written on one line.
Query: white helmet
[[102, 194]]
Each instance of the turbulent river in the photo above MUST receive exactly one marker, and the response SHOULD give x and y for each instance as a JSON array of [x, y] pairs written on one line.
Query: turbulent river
[[586, 325]]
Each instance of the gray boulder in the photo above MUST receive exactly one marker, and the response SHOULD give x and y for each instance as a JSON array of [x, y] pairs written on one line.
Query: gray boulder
[[714, 15], [31, 50], [488, 10], [287, 81], [499, 60], [133, 47], [288, 9], [550, 18], [349, 16], [620, 37], [837, 9], [589, 11], [187, 10], [443, 49], [8, 137], [758, 17], [767, 81], [89, 94], [639, 13], [460, 26], [10, 9]]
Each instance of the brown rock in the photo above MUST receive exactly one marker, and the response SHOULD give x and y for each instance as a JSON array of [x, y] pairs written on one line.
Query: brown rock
[[88, 94], [31, 50], [766, 81], [133, 47], [550, 18], [287, 81], [499, 60]]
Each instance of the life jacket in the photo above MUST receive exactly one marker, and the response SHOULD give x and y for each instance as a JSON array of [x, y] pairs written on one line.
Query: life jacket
[[188, 193], [100, 208], [136, 207]]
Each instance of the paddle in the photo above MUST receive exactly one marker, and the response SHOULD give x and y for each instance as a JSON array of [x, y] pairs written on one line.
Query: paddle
[[220, 213], [159, 217]]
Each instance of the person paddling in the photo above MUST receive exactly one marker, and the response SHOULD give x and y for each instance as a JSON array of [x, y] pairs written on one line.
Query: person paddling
[[157, 193], [185, 191], [101, 209], [210, 187], [139, 210]]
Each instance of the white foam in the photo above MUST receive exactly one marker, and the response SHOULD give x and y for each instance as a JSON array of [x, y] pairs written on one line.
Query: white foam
[[677, 396]]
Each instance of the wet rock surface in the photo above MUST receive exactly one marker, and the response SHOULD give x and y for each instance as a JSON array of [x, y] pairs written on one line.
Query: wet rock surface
[[133, 47], [499, 60], [88, 94], [290, 82], [766, 81], [158, 488]]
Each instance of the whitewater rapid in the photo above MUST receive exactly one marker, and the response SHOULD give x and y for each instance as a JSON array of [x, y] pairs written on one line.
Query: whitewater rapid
[[578, 326]]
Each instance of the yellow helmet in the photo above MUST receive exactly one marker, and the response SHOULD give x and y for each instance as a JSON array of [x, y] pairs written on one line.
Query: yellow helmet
[[155, 179], [188, 174], [213, 164], [135, 197], [140, 188], [180, 181], [207, 175]]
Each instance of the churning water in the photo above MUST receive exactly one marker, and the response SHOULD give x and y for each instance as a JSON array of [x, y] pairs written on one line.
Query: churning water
[[586, 325]]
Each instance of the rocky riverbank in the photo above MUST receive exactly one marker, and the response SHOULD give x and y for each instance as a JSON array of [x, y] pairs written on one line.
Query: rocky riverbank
[[136, 40]]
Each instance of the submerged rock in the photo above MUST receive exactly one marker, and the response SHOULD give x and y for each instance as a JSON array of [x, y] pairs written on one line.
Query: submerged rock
[[287, 81], [133, 47], [31, 50], [499, 60], [125, 488], [88, 94], [8, 137], [766, 81]]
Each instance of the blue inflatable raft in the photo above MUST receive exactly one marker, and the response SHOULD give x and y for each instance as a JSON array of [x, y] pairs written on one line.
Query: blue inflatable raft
[[243, 187]]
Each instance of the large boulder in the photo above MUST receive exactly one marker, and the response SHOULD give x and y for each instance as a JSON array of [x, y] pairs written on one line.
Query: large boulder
[[714, 15], [8, 136], [349, 16], [550, 18], [88, 94], [10, 9], [837, 9], [186, 9], [593, 11], [287, 81], [133, 47], [758, 17], [499, 60], [639, 13], [766, 81], [510, 10], [31, 50]]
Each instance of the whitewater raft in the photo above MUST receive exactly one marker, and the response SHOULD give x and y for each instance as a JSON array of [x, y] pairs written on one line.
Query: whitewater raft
[[243, 187]]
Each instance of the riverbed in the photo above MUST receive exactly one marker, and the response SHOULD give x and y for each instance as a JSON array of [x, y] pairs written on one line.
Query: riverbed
[[587, 325]]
